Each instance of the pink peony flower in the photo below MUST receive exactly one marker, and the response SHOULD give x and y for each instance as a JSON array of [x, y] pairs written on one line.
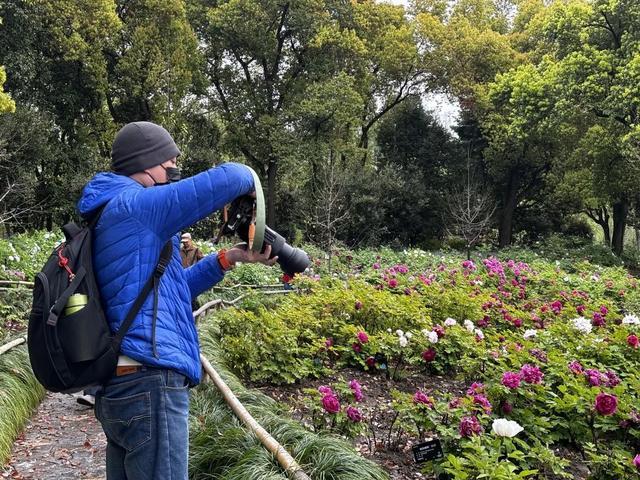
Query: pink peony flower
[[325, 390], [511, 380], [506, 407], [483, 402], [581, 309], [356, 347], [376, 266], [357, 390], [328, 342], [393, 283], [612, 379], [469, 426], [429, 355], [636, 461], [632, 341], [354, 414], [556, 307], [331, 403], [594, 377], [476, 387], [362, 337], [598, 320], [531, 373], [439, 329], [358, 305], [576, 367], [517, 322], [420, 398], [606, 404], [604, 310]]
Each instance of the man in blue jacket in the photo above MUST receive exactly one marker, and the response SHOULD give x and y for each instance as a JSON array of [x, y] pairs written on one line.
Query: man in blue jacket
[[144, 408]]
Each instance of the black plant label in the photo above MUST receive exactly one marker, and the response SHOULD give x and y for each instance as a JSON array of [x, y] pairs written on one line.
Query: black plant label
[[426, 451]]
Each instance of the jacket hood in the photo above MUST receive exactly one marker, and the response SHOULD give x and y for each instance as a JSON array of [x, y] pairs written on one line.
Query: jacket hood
[[102, 188]]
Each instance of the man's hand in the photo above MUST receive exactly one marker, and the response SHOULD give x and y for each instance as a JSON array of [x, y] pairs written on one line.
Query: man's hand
[[240, 253]]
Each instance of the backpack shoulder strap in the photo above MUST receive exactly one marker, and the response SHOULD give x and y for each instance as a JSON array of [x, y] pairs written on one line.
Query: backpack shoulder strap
[[152, 282]]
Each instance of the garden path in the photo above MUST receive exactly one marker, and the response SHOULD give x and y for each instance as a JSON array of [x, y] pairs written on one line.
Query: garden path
[[63, 439]]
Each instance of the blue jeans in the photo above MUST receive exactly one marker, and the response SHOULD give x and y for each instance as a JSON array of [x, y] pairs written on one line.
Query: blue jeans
[[145, 416]]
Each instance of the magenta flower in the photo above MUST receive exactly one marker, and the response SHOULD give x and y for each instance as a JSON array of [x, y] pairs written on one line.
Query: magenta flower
[[556, 307], [604, 310], [421, 398], [358, 305], [594, 377], [357, 390], [580, 309], [511, 380], [362, 337], [606, 404], [506, 407], [439, 329], [376, 266], [632, 341], [611, 379], [598, 320], [483, 402], [476, 387], [325, 390], [469, 426], [356, 347], [328, 342], [331, 403], [429, 355], [636, 461], [393, 283], [531, 373], [576, 367], [354, 414]]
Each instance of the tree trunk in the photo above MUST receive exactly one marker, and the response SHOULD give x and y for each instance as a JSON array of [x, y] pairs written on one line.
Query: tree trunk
[[272, 171], [510, 200], [620, 211]]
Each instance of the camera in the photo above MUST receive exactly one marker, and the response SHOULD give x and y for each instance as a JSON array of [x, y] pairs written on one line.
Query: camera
[[240, 219]]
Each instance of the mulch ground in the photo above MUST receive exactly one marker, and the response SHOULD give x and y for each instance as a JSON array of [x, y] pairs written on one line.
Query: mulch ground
[[62, 440]]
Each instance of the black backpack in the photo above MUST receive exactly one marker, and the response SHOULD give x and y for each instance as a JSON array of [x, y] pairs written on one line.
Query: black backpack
[[73, 350]]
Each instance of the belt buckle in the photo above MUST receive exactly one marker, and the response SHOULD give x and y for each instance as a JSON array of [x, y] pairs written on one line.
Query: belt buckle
[[126, 370]]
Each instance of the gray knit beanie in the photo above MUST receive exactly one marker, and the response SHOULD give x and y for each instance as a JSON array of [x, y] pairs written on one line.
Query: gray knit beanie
[[141, 145]]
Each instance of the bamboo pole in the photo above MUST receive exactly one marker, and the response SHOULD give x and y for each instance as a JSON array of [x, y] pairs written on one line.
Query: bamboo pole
[[10, 345], [287, 462], [16, 282]]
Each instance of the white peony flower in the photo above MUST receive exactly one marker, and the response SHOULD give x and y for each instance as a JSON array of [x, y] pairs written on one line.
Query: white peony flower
[[468, 324], [432, 337], [566, 279], [594, 278], [631, 319], [389, 330], [530, 333], [450, 322], [479, 333], [506, 428], [403, 341], [400, 333], [408, 335], [11, 258], [582, 324]]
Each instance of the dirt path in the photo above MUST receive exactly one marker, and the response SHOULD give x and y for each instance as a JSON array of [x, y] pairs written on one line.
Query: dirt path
[[62, 440]]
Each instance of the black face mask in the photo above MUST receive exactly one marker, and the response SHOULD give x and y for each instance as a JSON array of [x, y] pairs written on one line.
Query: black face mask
[[173, 175]]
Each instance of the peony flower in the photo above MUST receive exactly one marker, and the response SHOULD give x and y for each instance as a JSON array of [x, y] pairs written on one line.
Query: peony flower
[[530, 334], [506, 407], [393, 283], [581, 309], [632, 341], [420, 398], [403, 341], [576, 367], [479, 334], [636, 461], [476, 387], [356, 347], [594, 377], [409, 335], [328, 343], [331, 403], [631, 319], [431, 336], [511, 380], [357, 390], [450, 322], [468, 324], [606, 404], [376, 266], [469, 426], [362, 337], [325, 390], [429, 355], [358, 305], [483, 402], [399, 332], [582, 324], [611, 379], [598, 320], [354, 414], [531, 373], [604, 310], [371, 362], [506, 428]]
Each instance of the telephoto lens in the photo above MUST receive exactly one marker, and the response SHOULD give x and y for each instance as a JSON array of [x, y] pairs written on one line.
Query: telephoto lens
[[292, 260]]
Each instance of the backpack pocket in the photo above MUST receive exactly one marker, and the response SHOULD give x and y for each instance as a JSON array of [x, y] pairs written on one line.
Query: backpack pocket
[[84, 334]]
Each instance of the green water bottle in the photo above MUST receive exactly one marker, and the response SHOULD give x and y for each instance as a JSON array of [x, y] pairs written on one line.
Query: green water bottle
[[76, 302]]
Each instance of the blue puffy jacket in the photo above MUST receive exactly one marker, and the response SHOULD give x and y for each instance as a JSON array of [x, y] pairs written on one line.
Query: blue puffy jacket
[[128, 238]]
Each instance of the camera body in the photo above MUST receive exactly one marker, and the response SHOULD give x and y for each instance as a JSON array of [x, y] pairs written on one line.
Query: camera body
[[240, 220]]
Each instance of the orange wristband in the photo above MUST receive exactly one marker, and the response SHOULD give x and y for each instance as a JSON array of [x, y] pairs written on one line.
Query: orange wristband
[[222, 260]]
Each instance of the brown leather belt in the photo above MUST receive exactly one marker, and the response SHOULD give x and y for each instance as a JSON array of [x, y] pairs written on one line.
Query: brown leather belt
[[127, 369]]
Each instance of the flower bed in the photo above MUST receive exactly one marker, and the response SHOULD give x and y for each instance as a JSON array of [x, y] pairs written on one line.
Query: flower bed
[[554, 351]]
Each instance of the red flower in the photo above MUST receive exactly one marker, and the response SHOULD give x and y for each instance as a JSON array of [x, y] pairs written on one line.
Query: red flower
[[606, 404], [632, 341], [429, 355], [331, 403]]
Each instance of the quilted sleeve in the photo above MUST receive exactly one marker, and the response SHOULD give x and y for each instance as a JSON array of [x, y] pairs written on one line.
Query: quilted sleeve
[[204, 274], [167, 209]]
